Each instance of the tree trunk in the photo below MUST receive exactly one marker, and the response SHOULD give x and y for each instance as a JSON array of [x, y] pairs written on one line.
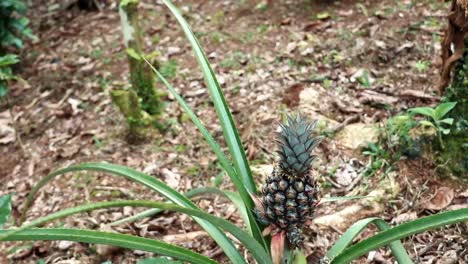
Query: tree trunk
[[141, 75], [127, 102], [455, 72]]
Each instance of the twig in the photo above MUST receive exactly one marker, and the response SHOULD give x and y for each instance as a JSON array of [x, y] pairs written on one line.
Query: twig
[[354, 182], [418, 94], [215, 252], [349, 120], [333, 182], [98, 6], [110, 188], [15, 127]]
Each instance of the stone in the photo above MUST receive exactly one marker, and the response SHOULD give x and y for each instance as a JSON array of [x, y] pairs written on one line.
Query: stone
[[64, 245], [358, 135]]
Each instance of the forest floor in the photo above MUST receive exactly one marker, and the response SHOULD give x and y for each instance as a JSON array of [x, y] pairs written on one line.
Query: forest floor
[[351, 64]]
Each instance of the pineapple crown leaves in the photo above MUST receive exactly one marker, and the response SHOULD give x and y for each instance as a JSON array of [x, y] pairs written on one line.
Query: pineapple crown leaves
[[296, 143]]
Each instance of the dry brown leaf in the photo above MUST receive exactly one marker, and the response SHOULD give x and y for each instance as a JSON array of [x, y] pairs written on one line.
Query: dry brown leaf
[[277, 247], [406, 217], [183, 238], [449, 257], [441, 199], [172, 179], [7, 132], [456, 207]]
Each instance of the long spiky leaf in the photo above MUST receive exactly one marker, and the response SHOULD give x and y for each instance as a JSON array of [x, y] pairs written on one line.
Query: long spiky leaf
[[112, 239], [154, 184], [401, 231], [239, 185], [252, 245], [346, 239], [231, 134]]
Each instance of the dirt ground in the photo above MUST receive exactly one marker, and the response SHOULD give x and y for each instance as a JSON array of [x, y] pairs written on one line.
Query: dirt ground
[[292, 55]]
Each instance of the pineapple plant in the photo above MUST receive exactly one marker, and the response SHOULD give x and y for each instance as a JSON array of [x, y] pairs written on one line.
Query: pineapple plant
[[290, 193]]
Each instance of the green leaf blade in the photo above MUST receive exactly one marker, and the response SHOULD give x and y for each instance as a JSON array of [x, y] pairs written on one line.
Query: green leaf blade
[[8, 59], [112, 239], [443, 109], [251, 244], [233, 175], [5, 208], [231, 134], [157, 261], [153, 184], [404, 230], [346, 239], [425, 111], [232, 196], [448, 121]]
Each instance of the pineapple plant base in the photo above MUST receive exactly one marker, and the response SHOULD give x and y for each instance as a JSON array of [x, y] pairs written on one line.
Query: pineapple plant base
[[290, 194]]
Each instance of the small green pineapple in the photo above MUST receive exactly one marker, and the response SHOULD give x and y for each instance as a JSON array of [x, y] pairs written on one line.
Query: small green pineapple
[[290, 194]]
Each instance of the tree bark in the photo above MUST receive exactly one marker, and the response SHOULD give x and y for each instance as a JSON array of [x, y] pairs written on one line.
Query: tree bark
[[455, 153], [127, 102], [141, 105], [454, 86], [141, 75]]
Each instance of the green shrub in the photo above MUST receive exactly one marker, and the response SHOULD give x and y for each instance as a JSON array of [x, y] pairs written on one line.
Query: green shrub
[[13, 24], [6, 73]]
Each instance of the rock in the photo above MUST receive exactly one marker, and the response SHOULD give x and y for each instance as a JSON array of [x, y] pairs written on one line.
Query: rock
[[324, 123], [356, 136], [171, 51], [362, 208], [310, 96], [343, 219], [310, 103], [106, 250], [7, 132], [172, 179], [65, 245]]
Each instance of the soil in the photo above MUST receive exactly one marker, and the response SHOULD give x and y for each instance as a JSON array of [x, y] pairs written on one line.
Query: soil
[[264, 58]]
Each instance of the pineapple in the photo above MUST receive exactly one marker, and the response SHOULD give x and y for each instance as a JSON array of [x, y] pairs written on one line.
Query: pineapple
[[290, 193]]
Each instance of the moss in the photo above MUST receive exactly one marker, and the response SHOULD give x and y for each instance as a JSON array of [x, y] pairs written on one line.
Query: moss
[[141, 76], [127, 102], [455, 153]]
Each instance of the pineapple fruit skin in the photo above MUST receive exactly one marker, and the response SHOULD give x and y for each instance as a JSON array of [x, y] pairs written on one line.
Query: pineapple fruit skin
[[289, 202], [290, 194]]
